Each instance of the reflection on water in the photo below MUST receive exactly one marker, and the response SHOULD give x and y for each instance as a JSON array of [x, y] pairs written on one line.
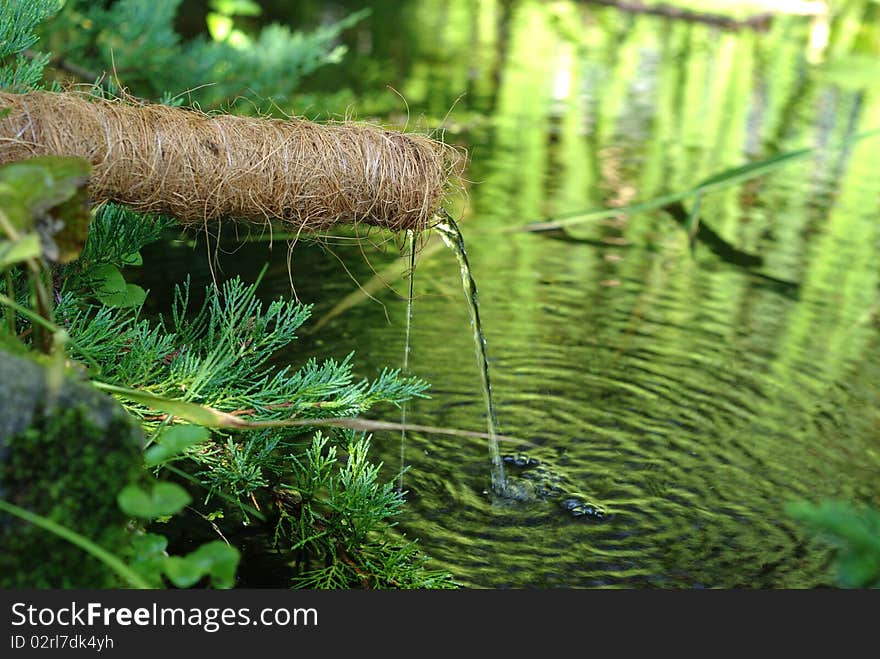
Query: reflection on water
[[685, 398]]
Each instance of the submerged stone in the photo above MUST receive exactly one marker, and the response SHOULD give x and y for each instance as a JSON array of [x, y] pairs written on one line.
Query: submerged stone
[[518, 489], [577, 507], [540, 481], [520, 461]]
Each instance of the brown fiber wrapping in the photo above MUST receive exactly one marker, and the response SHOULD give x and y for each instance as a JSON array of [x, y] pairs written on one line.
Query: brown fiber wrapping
[[199, 167]]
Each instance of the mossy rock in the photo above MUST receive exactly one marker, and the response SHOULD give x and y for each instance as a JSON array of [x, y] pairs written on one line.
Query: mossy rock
[[65, 453]]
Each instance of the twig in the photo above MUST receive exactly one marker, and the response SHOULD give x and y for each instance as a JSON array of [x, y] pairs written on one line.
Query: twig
[[756, 21], [74, 69]]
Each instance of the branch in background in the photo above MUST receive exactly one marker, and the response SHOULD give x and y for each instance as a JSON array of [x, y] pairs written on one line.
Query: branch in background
[[760, 21], [707, 236], [74, 69]]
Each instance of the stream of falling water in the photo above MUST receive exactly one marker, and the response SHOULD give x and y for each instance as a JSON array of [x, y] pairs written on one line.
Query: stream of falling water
[[451, 235], [412, 236]]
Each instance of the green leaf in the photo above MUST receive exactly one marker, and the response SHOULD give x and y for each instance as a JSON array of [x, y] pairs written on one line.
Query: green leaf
[[47, 195], [855, 532], [111, 289], [16, 251], [66, 228], [148, 556], [751, 170], [107, 280], [182, 572], [724, 179], [213, 418], [215, 559], [165, 499], [219, 26], [134, 259], [858, 569], [149, 544], [173, 441], [693, 222], [236, 7], [201, 415], [218, 560], [30, 188], [131, 296]]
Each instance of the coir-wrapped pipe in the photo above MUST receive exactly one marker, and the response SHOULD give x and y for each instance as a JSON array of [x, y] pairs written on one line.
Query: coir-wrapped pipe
[[200, 167]]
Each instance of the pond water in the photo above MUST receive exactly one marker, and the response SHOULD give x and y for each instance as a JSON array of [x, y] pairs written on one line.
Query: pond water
[[668, 402]]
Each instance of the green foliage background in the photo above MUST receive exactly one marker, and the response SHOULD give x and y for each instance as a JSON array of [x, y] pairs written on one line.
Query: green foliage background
[[315, 493]]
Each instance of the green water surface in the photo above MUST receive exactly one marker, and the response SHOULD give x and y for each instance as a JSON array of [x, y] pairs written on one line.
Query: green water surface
[[689, 396]]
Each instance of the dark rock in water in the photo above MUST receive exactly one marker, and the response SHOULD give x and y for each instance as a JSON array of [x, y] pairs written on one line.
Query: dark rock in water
[[521, 461], [539, 481], [578, 507], [519, 489], [66, 450]]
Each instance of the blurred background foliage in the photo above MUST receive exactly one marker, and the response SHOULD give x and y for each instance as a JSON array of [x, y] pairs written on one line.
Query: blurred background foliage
[[136, 45]]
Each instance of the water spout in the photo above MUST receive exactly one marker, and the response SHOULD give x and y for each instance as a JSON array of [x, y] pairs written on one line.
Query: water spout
[[411, 235], [451, 235]]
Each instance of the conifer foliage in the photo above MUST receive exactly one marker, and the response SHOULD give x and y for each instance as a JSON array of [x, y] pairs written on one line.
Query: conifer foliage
[[135, 44], [314, 494], [18, 21]]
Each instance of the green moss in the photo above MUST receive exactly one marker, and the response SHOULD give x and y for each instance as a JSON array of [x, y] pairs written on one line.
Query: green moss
[[78, 450]]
